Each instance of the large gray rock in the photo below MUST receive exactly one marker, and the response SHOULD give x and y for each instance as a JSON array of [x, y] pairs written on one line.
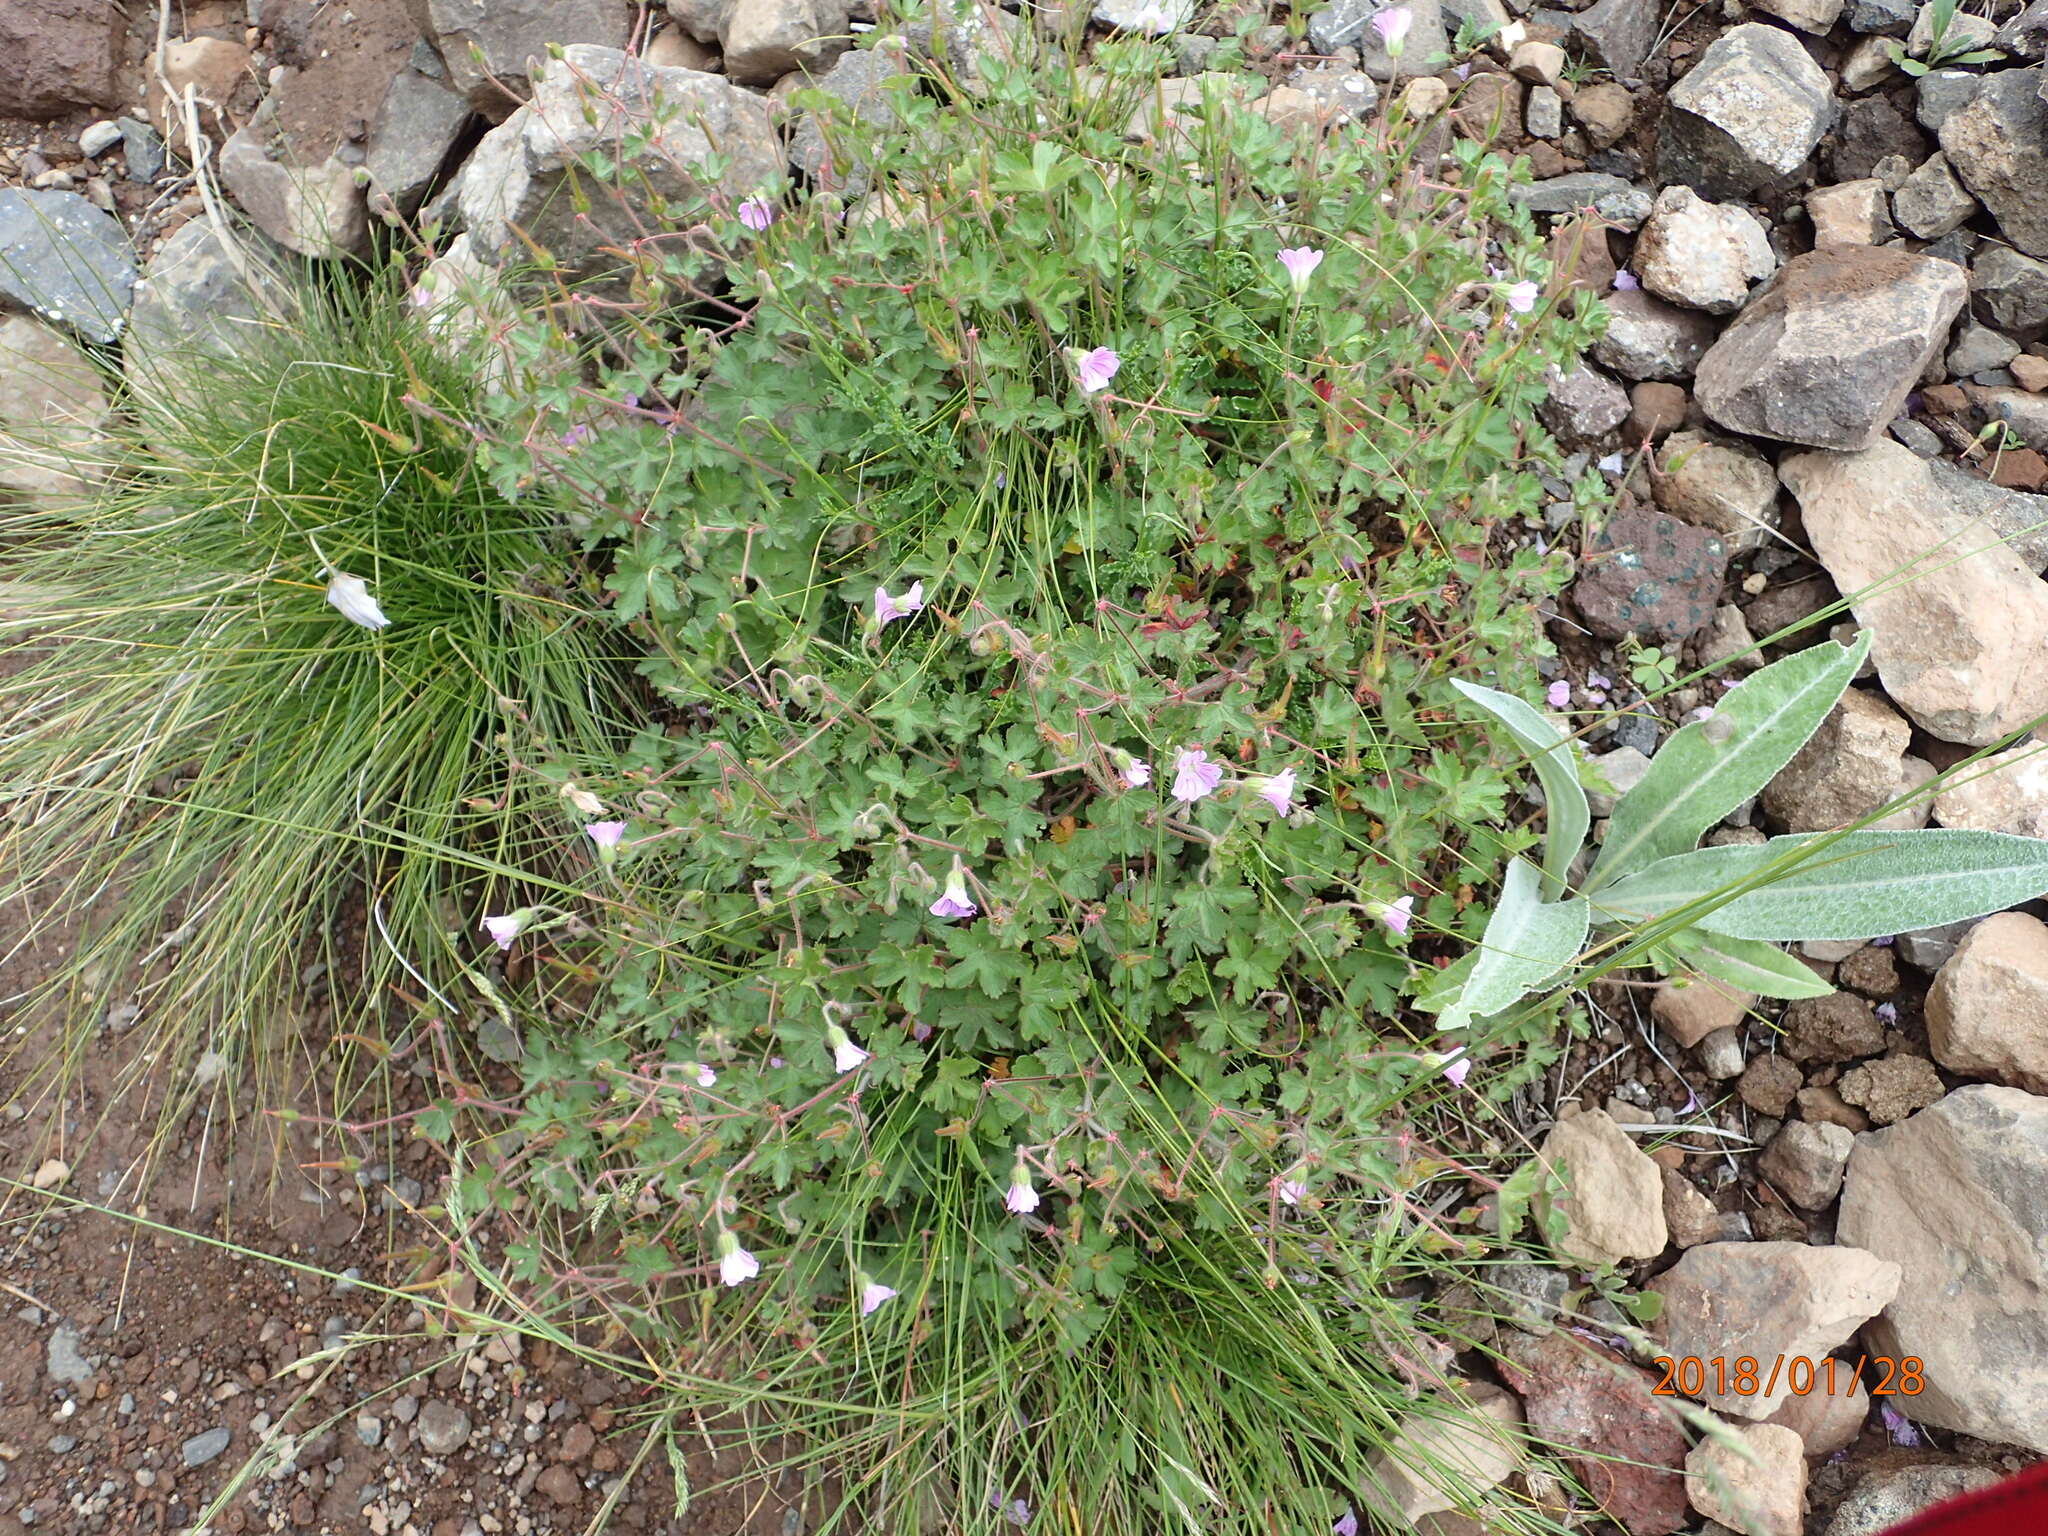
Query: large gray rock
[[1960, 623], [1767, 1300], [315, 207], [53, 412], [492, 49], [2009, 292], [1957, 1197], [1826, 352], [855, 81], [1998, 144], [417, 129], [763, 40], [1650, 339], [1747, 115], [593, 98], [2018, 517], [1349, 23], [1931, 202], [196, 300], [1619, 202], [1618, 34], [66, 260]]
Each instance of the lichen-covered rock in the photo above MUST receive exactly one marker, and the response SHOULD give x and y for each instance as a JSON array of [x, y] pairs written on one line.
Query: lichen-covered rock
[[1649, 339], [491, 50], [67, 260], [1650, 575], [1998, 144], [1583, 406], [1701, 255], [1747, 115]]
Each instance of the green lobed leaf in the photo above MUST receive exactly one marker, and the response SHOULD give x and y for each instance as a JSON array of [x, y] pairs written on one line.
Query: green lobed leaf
[[1527, 942], [1550, 751], [1750, 964], [1711, 766], [1845, 885]]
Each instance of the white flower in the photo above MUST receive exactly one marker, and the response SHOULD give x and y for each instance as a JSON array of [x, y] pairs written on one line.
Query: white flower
[[1021, 1196], [845, 1054], [352, 600], [872, 1294], [736, 1266]]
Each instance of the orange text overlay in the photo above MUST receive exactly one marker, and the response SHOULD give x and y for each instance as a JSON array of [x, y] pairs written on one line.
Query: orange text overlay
[[1747, 1376]]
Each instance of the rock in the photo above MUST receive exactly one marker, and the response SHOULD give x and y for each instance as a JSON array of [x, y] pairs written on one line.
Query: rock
[[763, 40], [1610, 776], [1977, 349], [1651, 576], [142, 149], [1724, 486], [1488, 106], [1349, 22], [1953, 1195], [2019, 519], [1867, 64], [202, 1448], [195, 301], [1826, 352], [1544, 117], [856, 82], [53, 415], [1654, 410], [1940, 92], [1605, 110], [1688, 1009], [318, 210], [1930, 948], [514, 175], [1583, 406], [1892, 1087], [418, 129], [210, 70], [66, 260], [443, 1427], [1727, 642], [1689, 1215], [1699, 254], [1890, 1496], [1620, 202], [1963, 34], [1998, 144], [65, 1362], [1171, 112], [2026, 35], [1528, 1294], [1537, 63], [2009, 292], [1853, 764], [1721, 1054], [2005, 792], [1885, 18], [1615, 1209], [1766, 1301], [1838, 1027], [970, 32], [57, 56], [1825, 1421], [1768, 1084], [1747, 115], [559, 1486], [1623, 1442], [1443, 1452], [1617, 34], [1318, 99], [1987, 1012], [1954, 644], [1874, 134], [1650, 339], [1756, 1485], [2026, 414], [492, 49], [1151, 18], [1804, 1162], [1849, 213]]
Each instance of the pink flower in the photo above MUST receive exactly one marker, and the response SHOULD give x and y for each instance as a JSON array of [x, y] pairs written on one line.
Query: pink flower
[[1558, 694], [1395, 914], [889, 609], [1599, 680], [1345, 1524], [1277, 791], [953, 900], [872, 1294], [757, 213], [1134, 771], [1194, 776], [1392, 24], [503, 930], [1301, 263], [845, 1054], [1626, 281], [1887, 1013], [1522, 297], [606, 834], [736, 1266], [1096, 368], [1292, 1191], [706, 1078], [1457, 1069], [1899, 1427], [1021, 1197]]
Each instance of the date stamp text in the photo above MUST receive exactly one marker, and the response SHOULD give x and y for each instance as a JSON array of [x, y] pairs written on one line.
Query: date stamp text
[[1747, 1376]]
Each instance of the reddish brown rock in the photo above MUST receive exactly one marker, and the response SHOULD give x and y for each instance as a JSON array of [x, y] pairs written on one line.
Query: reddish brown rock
[[57, 56]]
